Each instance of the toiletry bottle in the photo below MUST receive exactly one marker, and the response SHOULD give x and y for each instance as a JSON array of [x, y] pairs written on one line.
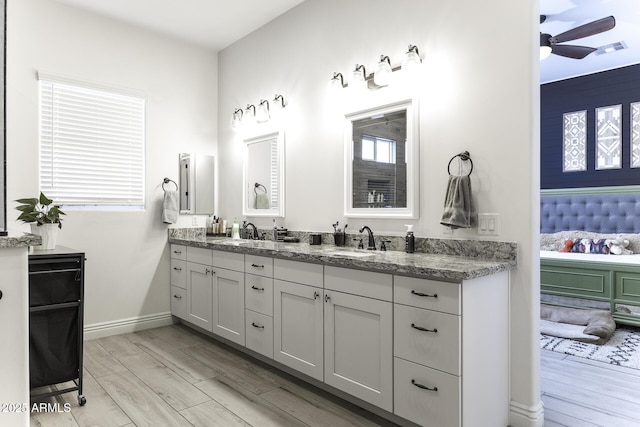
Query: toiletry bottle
[[275, 230], [235, 229], [409, 240]]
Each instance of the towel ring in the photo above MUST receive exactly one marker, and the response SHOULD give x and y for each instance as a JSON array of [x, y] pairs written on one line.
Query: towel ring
[[464, 156], [256, 186], [166, 181]]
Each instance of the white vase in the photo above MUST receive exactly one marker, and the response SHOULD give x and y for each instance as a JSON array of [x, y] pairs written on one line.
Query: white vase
[[49, 234]]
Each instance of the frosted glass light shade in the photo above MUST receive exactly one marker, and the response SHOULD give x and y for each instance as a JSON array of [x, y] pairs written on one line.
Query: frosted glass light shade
[[382, 76]]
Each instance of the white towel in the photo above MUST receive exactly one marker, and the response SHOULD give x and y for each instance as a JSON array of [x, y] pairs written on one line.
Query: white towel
[[459, 210], [170, 207]]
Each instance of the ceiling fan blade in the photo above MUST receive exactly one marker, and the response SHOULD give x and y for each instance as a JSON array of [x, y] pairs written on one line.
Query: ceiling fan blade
[[543, 18], [586, 30], [572, 51]]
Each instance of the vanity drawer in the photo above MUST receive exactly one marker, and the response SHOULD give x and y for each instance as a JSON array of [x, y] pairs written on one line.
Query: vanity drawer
[[179, 302], [358, 282], [258, 294], [298, 272], [259, 333], [439, 350], [260, 265], [228, 260], [178, 251], [425, 293], [179, 273], [199, 255], [424, 407]]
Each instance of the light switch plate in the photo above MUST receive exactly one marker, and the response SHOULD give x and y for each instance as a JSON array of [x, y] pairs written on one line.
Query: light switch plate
[[489, 224]]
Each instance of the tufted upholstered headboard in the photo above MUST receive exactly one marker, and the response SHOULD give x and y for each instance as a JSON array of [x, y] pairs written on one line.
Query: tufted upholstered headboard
[[599, 213]]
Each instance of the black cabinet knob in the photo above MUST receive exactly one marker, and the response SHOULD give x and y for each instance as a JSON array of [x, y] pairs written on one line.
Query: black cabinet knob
[[0, 294]]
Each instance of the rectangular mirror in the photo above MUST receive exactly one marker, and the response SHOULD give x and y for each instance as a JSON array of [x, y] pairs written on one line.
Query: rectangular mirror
[[381, 162], [3, 165], [197, 183], [263, 183]]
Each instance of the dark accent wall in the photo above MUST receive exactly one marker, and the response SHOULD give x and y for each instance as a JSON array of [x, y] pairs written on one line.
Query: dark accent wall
[[619, 86]]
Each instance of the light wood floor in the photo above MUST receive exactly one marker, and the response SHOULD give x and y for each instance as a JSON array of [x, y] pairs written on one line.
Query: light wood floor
[[172, 376]]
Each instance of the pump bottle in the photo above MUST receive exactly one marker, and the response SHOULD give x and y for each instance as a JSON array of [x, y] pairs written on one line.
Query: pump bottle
[[409, 240]]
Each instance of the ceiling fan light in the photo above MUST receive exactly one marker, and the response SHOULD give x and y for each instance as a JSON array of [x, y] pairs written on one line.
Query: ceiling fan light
[[545, 51]]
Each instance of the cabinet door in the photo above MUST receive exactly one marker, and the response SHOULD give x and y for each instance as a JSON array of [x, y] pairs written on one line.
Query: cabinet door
[[297, 327], [358, 347], [199, 289], [228, 305]]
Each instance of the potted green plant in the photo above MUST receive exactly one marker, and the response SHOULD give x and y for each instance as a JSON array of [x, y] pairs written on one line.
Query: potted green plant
[[44, 217]]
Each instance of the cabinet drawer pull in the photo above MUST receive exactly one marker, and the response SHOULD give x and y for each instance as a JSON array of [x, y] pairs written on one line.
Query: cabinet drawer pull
[[424, 387], [257, 326], [177, 252], [177, 297], [257, 289], [316, 295], [434, 330], [257, 266], [177, 268], [420, 294]]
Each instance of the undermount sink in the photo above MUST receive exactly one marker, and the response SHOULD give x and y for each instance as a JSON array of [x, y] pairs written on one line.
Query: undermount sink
[[349, 253]]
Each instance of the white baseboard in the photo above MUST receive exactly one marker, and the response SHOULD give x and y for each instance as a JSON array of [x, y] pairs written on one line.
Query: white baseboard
[[132, 324], [526, 416]]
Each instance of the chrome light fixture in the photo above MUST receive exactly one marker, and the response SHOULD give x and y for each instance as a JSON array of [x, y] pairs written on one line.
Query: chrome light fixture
[[359, 76], [262, 112], [336, 82], [249, 114], [411, 59], [382, 76], [236, 119], [278, 101]]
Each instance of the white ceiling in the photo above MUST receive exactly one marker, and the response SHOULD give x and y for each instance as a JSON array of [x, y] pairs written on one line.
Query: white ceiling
[[214, 24], [563, 15], [218, 23]]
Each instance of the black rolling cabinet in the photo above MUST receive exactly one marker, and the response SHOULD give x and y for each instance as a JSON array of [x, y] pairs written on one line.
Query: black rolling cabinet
[[56, 299]]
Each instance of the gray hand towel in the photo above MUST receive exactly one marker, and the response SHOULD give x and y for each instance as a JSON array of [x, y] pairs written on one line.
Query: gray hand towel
[[459, 210], [170, 207]]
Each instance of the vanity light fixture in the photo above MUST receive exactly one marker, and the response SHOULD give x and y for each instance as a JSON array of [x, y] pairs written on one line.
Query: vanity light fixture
[[262, 112], [236, 119], [337, 82], [411, 59], [359, 76], [382, 76], [278, 101], [249, 117]]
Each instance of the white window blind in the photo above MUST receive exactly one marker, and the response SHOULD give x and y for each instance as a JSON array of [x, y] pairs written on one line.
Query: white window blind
[[91, 145]]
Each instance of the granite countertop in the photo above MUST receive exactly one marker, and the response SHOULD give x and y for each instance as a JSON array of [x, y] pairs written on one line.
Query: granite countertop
[[452, 268], [18, 239]]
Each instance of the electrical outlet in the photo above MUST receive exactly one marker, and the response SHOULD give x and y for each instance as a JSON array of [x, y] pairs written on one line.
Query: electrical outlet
[[489, 224], [447, 230], [194, 220]]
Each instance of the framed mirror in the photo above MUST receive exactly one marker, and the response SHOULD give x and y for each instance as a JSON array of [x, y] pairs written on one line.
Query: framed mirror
[[382, 161], [197, 183], [3, 151], [263, 182]]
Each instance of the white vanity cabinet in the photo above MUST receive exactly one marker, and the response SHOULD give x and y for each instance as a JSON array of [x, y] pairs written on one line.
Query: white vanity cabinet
[[179, 281], [450, 350], [298, 316], [358, 334], [215, 292], [228, 296], [258, 285]]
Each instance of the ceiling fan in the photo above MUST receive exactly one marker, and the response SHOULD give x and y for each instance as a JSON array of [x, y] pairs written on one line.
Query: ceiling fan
[[549, 44]]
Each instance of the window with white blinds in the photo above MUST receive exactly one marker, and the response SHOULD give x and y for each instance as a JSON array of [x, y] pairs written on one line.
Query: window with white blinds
[[91, 145]]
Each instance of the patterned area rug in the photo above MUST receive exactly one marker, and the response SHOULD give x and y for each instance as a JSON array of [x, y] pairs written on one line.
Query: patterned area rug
[[622, 349]]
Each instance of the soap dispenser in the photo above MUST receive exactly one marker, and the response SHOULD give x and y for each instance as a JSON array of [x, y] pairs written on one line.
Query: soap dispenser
[[409, 240], [235, 229]]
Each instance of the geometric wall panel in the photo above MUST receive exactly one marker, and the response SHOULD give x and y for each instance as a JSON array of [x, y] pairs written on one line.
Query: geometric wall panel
[[574, 153], [635, 135], [609, 137]]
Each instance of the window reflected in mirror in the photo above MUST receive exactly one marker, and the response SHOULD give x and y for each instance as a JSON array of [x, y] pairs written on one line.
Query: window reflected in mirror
[[379, 161], [382, 160]]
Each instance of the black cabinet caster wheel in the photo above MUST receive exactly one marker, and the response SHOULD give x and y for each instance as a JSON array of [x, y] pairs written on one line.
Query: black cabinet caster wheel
[[82, 400]]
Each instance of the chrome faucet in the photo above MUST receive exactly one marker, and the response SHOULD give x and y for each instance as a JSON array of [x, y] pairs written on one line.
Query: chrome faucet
[[372, 243], [254, 234]]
